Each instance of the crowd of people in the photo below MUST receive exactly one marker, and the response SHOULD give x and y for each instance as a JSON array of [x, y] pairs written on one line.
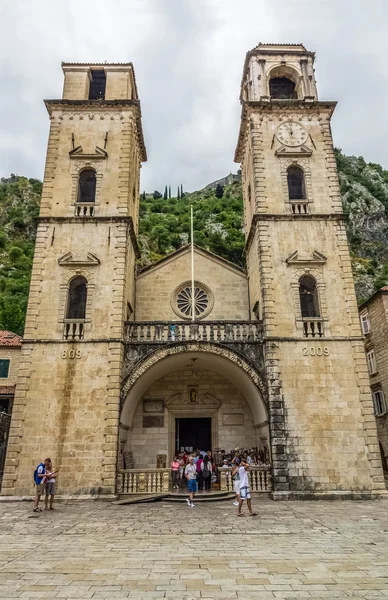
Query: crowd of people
[[198, 470]]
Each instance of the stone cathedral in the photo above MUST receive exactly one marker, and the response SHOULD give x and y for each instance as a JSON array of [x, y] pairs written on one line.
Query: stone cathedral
[[112, 363]]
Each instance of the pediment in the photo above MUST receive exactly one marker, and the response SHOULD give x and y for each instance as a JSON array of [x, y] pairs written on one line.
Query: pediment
[[67, 260], [79, 153], [182, 401], [285, 151], [316, 258]]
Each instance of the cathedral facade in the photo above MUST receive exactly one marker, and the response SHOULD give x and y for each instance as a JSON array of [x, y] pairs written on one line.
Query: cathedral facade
[[113, 362]]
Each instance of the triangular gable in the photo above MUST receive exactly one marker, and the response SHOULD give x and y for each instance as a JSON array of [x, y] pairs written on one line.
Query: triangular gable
[[197, 250], [67, 260]]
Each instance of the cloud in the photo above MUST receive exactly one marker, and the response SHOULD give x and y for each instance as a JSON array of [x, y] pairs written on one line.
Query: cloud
[[188, 57]]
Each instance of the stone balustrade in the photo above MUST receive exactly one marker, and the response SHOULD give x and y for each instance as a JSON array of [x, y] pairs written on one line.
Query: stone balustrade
[[259, 478], [84, 209], [143, 481], [299, 207], [143, 332], [73, 329], [313, 327]]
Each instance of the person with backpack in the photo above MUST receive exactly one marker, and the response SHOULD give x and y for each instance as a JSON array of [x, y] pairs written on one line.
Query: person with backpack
[[39, 480], [207, 472]]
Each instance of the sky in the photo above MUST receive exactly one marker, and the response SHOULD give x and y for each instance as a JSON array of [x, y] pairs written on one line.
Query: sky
[[188, 57]]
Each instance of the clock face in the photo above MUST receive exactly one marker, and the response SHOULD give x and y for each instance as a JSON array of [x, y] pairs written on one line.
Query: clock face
[[291, 134]]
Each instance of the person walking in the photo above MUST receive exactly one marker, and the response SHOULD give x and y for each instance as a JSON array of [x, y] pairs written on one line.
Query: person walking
[[191, 476], [207, 473], [244, 490], [198, 466], [236, 480], [39, 475], [175, 467], [49, 486]]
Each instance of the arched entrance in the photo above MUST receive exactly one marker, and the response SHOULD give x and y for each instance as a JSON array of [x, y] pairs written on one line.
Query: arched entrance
[[188, 395]]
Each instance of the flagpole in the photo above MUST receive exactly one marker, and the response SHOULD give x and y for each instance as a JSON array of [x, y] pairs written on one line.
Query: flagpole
[[192, 266]]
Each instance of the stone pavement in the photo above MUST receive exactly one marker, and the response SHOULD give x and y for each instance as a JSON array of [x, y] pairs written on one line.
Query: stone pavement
[[292, 550]]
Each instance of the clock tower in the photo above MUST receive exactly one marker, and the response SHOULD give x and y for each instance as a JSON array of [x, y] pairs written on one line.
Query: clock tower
[[323, 432]]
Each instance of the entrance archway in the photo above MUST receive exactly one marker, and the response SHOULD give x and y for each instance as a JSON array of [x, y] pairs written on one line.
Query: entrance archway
[[192, 381]]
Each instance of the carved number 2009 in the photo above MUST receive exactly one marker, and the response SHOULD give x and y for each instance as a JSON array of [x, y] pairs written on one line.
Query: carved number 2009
[[315, 351]]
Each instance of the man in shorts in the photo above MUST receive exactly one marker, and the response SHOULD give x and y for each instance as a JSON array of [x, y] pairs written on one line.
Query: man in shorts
[[245, 493], [191, 476], [39, 475], [236, 480]]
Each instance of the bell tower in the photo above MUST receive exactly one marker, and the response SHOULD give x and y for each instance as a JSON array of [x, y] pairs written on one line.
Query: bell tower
[[82, 285], [323, 432]]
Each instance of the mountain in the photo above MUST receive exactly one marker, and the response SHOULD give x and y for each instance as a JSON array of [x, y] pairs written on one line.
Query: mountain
[[218, 226]]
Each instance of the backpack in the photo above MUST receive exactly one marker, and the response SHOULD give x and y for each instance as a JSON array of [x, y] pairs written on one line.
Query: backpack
[[206, 471]]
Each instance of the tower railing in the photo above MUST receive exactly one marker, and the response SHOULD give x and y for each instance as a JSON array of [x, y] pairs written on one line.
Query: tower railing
[[143, 332]]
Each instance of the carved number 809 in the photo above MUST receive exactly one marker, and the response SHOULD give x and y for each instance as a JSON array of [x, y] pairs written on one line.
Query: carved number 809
[[315, 351], [71, 354]]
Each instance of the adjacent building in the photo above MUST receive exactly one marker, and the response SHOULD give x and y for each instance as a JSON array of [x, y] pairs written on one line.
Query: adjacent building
[[374, 324], [10, 348]]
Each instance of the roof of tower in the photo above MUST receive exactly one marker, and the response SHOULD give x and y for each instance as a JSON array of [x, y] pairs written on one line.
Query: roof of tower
[[271, 49], [103, 66]]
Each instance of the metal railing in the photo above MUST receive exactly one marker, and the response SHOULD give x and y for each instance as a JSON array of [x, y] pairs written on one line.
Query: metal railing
[[177, 331]]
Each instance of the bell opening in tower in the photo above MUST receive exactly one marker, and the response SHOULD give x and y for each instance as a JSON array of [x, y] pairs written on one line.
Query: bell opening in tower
[[97, 85], [282, 88]]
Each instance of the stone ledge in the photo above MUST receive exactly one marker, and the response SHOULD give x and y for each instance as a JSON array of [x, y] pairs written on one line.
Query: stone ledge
[[334, 495]]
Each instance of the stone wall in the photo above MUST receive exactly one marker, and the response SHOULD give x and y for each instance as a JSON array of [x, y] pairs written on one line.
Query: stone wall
[[155, 287], [67, 410], [328, 427], [146, 443]]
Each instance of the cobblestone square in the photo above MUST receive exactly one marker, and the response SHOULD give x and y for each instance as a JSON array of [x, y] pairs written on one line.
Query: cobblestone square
[[292, 550]]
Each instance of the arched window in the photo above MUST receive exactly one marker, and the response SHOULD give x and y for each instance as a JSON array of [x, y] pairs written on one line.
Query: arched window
[[282, 88], [87, 186], [309, 304], [76, 305], [296, 185]]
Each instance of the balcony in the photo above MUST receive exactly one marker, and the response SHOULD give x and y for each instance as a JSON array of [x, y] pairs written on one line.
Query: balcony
[[299, 207], [84, 209], [73, 329], [224, 332], [313, 327]]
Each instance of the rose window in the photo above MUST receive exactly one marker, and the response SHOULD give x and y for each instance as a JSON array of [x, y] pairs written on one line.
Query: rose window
[[182, 300]]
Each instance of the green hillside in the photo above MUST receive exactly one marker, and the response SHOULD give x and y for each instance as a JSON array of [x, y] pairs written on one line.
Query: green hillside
[[218, 223]]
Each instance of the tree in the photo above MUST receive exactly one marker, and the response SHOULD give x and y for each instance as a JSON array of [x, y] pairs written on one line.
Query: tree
[[165, 193], [182, 196], [157, 195], [169, 191], [219, 191], [178, 196]]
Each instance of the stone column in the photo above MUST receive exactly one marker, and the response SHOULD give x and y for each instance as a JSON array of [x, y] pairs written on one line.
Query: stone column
[[263, 86], [305, 77]]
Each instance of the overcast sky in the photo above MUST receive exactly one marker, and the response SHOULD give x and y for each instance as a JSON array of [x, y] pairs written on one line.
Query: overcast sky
[[188, 57]]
